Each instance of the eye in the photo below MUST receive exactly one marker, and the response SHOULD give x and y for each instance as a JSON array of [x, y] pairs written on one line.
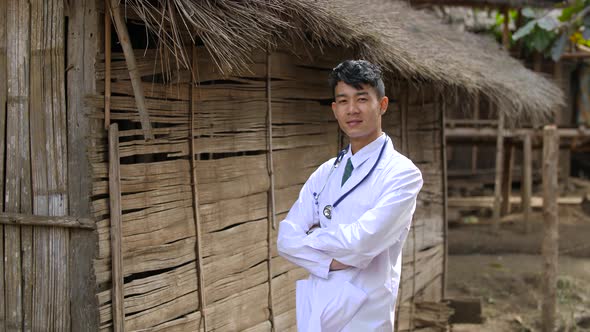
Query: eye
[[362, 99], [342, 101]]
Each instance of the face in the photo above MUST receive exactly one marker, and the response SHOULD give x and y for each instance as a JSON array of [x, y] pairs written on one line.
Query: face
[[359, 111]]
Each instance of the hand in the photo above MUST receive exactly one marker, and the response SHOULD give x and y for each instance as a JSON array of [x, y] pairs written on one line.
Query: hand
[[337, 266]]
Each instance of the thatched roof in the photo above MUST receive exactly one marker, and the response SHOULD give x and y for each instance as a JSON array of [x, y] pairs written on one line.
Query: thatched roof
[[490, 3], [406, 42]]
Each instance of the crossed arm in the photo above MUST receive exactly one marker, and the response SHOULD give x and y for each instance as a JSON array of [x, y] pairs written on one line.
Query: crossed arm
[[340, 246]]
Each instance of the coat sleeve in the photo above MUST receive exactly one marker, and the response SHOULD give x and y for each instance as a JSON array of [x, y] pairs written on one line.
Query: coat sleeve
[[293, 230], [357, 243]]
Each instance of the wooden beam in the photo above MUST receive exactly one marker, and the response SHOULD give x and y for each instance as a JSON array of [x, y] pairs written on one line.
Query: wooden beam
[[488, 133], [550, 249], [134, 75], [507, 169], [20, 219], [488, 201], [576, 55], [117, 296], [499, 164], [527, 181]]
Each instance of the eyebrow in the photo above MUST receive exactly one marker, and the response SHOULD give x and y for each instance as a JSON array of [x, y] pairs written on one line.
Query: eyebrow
[[360, 93]]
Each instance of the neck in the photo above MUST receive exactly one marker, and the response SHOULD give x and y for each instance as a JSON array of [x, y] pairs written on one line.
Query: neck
[[358, 143]]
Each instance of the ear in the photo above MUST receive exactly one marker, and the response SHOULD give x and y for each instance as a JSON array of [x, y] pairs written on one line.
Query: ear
[[384, 104], [334, 109]]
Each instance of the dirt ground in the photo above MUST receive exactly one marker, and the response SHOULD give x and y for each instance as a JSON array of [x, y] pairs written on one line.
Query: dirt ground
[[504, 270]]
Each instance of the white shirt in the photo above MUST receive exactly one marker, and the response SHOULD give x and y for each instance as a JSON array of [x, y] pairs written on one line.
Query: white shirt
[[367, 231]]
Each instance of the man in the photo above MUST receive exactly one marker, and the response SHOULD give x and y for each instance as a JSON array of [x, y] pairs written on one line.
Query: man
[[352, 217]]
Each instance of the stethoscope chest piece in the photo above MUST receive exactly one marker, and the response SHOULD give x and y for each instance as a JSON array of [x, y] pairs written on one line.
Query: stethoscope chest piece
[[328, 211]]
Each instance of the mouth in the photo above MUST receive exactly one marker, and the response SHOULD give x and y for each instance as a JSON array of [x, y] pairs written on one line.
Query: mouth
[[353, 123]]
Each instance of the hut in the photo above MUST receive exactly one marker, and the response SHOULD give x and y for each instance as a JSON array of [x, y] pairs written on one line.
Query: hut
[[147, 163]]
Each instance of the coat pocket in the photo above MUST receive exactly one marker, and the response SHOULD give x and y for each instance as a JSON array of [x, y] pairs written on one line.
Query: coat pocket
[[340, 303]]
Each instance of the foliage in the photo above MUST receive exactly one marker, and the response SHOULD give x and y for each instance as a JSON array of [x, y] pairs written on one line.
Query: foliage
[[548, 32]]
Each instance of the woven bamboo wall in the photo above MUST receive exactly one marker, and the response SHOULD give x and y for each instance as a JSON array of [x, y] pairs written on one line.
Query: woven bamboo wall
[[233, 182]]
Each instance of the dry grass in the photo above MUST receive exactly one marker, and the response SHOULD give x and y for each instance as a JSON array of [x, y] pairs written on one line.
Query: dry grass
[[409, 44]]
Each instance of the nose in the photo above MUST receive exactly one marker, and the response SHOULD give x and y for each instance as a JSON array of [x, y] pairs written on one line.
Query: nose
[[352, 108]]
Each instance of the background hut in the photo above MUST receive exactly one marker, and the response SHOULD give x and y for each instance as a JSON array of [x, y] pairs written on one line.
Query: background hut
[[239, 117]]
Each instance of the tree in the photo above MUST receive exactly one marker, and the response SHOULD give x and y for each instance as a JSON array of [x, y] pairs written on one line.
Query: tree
[[548, 32]]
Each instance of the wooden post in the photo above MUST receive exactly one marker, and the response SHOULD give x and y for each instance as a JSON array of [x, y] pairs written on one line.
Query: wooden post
[[125, 41], [537, 62], [195, 192], [474, 149], [499, 164], [107, 66], [507, 178], [527, 181], [117, 297], [506, 29], [271, 191], [443, 138], [84, 33], [550, 247]]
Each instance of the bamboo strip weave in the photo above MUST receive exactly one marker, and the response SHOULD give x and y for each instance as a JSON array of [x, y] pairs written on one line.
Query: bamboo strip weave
[[271, 200], [194, 183]]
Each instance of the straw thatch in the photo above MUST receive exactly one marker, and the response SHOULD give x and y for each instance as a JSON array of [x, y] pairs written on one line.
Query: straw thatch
[[406, 42]]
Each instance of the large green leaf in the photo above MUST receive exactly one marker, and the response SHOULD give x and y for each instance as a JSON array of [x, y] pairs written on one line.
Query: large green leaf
[[559, 46], [525, 30], [539, 39], [548, 23], [528, 12]]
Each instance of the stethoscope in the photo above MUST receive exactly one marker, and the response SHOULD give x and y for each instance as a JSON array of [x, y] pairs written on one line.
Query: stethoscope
[[327, 211]]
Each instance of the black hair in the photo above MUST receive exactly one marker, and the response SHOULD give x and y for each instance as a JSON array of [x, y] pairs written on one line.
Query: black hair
[[357, 72]]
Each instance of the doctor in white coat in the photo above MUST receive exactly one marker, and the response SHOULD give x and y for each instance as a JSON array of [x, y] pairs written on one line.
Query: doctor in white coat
[[352, 217]]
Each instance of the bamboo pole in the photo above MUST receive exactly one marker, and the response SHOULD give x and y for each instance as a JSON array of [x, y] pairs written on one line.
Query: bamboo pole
[[527, 181], [550, 248], [117, 297], [271, 200], [499, 163], [194, 184], [134, 75], [35, 220], [107, 64], [507, 178], [474, 147], [443, 128]]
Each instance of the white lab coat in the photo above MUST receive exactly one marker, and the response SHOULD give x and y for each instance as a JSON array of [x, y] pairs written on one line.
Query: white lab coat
[[367, 232]]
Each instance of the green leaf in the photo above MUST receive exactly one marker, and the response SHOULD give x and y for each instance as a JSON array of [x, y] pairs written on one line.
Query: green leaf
[[528, 12], [559, 46], [525, 30], [570, 11], [541, 39], [548, 23]]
